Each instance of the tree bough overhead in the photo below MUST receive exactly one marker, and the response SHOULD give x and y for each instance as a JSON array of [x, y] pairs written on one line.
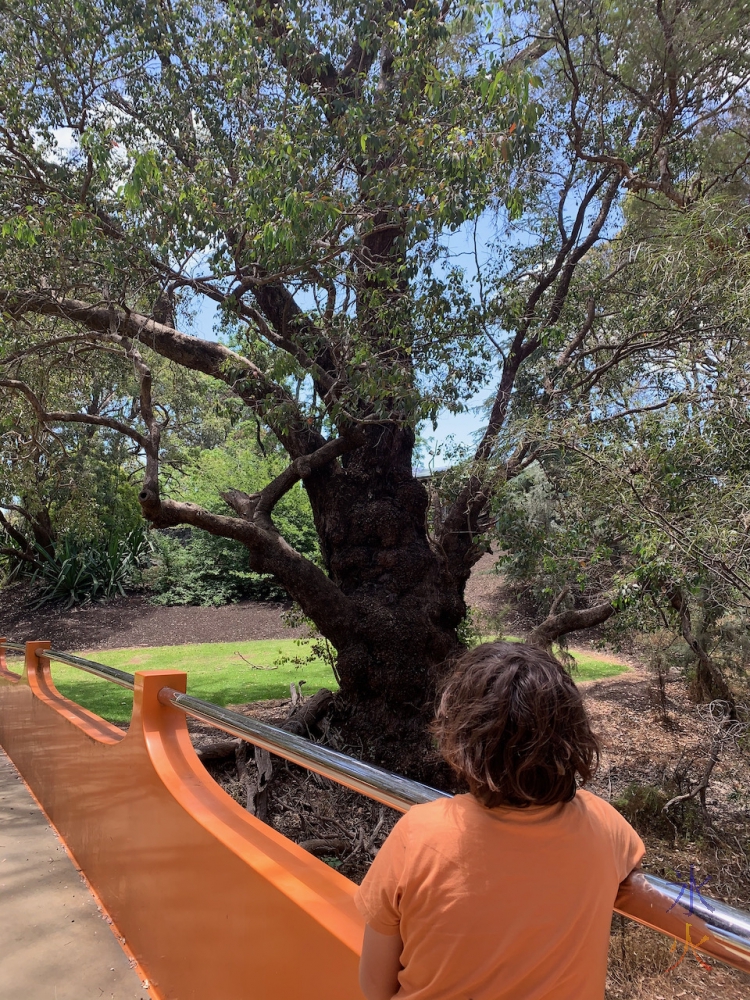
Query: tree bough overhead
[[302, 166]]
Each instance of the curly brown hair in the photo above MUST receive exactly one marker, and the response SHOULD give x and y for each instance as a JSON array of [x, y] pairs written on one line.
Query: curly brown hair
[[512, 724]]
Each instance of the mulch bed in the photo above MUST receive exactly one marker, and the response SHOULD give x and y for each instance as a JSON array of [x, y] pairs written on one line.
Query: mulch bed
[[343, 828], [135, 621], [643, 748]]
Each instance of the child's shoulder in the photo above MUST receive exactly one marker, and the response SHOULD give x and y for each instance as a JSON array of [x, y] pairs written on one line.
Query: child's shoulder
[[464, 810], [429, 817], [595, 805], [432, 812]]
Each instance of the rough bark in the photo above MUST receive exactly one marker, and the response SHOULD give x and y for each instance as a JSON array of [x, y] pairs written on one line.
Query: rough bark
[[403, 603], [322, 847], [255, 780], [309, 713], [43, 530], [218, 750]]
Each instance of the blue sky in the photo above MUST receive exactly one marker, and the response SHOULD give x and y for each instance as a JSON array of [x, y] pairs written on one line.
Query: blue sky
[[460, 426]]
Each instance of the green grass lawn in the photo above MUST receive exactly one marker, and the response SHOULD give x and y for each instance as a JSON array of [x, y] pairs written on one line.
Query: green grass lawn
[[588, 668], [217, 673]]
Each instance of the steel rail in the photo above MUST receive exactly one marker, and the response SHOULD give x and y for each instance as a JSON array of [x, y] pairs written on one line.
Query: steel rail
[[16, 647], [112, 674], [680, 911], [642, 897], [385, 787]]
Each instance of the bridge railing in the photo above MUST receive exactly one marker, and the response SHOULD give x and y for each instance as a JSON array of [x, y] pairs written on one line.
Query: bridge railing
[[693, 919]]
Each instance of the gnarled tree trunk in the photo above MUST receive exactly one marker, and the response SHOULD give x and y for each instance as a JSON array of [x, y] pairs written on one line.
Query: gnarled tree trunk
[[404, 603]]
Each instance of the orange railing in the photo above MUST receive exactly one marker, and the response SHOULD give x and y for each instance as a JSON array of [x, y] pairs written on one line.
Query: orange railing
[[212, 902]]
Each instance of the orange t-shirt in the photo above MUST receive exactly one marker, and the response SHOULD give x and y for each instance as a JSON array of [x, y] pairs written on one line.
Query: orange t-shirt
[[501, 904]]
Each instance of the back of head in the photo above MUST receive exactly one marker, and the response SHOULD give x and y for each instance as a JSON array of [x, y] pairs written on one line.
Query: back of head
[[512, 724]]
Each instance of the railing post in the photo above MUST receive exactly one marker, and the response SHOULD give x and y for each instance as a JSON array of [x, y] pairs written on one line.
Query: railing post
[[3, 663], [148, 711], [35, 664]]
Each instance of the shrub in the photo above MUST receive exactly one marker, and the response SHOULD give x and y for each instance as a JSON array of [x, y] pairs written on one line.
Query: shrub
[[81, 571], [192, 567], [642, 806]]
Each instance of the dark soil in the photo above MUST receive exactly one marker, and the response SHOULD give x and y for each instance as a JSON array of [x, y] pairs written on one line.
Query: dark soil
[[135, 621]]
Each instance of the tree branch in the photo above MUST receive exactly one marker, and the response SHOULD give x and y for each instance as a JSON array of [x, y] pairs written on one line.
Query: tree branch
[[242, 376], [461, 523], [258, 507], [709, 675], [270, 553], [54, 417], [17, 554], [297, 334], [570, 620], [15, 534]]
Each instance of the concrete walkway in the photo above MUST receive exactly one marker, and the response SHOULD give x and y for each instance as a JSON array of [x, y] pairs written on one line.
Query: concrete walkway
[[54, 942]]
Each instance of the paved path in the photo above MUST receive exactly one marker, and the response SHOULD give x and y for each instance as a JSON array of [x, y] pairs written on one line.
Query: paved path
[[54, 942]]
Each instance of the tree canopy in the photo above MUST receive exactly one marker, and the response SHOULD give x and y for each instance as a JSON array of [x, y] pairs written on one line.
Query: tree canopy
[[302, 166]]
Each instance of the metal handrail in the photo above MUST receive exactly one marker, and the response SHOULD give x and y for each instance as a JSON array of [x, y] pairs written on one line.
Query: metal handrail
[[17, 647], [645, 898], [120, 677], [390, 789]]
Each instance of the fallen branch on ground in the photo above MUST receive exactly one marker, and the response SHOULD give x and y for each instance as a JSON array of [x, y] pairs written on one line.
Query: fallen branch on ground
[[255, 666]]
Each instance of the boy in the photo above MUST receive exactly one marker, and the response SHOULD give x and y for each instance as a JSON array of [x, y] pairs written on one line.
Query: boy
[[505, 893]]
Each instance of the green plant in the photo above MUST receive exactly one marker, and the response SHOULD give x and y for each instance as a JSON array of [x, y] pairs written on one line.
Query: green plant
[[469, 631], [85, 571], [194, 568], [314, 646], [642, 805]]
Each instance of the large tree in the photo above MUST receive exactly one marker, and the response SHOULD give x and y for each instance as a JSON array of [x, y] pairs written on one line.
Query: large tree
[[301, 165]]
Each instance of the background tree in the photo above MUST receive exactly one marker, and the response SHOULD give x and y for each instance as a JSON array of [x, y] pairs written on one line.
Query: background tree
[[194, 567], [70, 517], [300, 165], [74, 481], [643, 512]]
